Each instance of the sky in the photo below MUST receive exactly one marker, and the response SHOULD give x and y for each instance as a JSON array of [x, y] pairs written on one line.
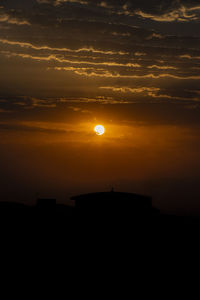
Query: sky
[[132, 66]]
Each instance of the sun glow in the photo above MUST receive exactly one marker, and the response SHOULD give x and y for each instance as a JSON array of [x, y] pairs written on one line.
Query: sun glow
[[99, 129]]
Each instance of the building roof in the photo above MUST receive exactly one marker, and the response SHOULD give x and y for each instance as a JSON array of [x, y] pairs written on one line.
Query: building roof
[[110, 195]]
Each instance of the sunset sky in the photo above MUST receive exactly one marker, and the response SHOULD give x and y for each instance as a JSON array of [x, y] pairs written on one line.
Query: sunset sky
[[131, 66]]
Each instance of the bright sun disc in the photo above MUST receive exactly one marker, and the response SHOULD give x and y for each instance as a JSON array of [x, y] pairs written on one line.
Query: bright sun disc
[[99, 129]]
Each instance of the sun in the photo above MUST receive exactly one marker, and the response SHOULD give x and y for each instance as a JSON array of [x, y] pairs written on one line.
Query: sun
[[99, 129]]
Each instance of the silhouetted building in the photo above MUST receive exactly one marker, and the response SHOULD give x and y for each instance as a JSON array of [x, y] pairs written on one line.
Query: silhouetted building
[[46, 205], [115, 203]]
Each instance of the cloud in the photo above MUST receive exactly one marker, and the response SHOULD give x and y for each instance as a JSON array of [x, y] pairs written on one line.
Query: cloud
[[43, 47], [5, 111], [23, 127], [181, 14], [71, 48], [12, 20], [60, 59], [130, 90], [188, 56], [163, 11], [96, 100], [59, 2], [79, 109], [153, 92], [107, 74], [162, 67], [155, 35], [42, 103]]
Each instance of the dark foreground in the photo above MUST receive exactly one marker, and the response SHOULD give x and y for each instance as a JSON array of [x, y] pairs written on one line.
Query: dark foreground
[[90, 245], [99, 239], [115, 221]]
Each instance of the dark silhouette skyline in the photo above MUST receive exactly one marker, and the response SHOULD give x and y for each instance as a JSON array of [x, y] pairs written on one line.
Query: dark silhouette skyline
[[97, 209]]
